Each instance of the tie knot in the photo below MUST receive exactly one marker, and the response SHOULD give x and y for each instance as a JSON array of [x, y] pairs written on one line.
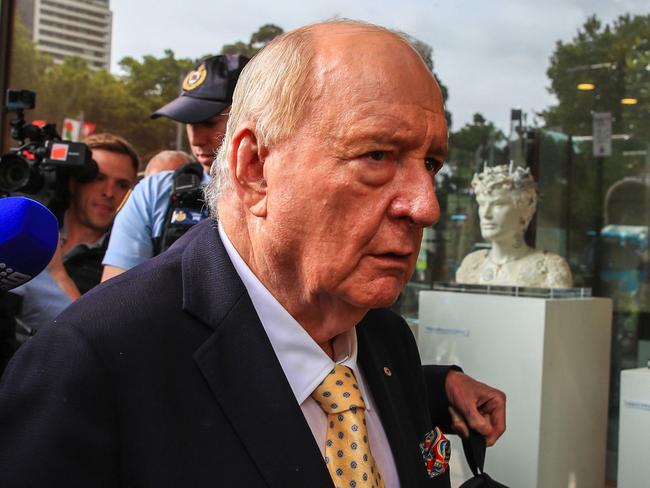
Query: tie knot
[[339, 391]]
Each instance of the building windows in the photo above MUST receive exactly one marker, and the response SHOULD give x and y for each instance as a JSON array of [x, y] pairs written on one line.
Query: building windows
[[71, 28]]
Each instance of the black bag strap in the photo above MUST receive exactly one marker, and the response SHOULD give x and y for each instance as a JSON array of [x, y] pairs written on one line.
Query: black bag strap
[[474, 448]]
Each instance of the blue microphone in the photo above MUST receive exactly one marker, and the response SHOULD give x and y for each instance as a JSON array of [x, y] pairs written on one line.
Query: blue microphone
[[29, 234]]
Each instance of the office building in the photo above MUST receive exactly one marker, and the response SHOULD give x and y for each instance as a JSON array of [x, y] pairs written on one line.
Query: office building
[[63, 28]]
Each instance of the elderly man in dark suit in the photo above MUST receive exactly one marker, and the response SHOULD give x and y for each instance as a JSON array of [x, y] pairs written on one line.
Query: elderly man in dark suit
[[257, 351]]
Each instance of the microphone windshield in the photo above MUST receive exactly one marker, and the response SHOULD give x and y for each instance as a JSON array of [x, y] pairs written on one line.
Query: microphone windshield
[[29, 234]]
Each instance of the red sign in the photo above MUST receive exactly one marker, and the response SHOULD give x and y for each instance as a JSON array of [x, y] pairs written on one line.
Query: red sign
[[59, 152]]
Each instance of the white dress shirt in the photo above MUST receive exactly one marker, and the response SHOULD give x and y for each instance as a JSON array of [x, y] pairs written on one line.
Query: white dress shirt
[[305, 364]]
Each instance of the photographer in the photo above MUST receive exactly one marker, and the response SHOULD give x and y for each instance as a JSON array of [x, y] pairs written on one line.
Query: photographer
[[162, 207], [84, 226]]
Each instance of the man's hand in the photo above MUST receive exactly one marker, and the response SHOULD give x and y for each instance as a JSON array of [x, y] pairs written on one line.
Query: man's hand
[[476, 404]]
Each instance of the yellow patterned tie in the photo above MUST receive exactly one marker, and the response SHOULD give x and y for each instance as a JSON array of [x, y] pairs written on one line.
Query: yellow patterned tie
[[347, 452]]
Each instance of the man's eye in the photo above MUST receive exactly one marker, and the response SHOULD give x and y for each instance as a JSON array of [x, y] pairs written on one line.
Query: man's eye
[[433, 165], [376, 155]]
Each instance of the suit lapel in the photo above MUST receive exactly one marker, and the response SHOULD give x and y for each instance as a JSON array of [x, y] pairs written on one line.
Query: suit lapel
[[243, 372], [373, 357]]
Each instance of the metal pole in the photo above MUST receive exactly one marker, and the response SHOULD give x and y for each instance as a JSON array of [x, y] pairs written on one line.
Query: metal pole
[[7, 9]]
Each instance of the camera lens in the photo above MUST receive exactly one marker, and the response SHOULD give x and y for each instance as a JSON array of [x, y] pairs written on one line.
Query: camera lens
[[14, 173]]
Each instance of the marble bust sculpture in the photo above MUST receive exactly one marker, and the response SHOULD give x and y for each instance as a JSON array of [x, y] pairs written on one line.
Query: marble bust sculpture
[[507, 200]]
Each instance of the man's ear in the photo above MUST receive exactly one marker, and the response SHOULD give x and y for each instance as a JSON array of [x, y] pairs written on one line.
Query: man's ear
[[247, 170]]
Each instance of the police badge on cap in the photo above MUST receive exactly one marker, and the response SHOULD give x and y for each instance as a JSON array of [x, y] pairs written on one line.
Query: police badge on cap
[[207, 89], [195, 78]]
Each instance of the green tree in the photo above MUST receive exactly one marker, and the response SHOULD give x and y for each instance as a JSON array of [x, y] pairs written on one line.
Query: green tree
[[120, 104], [473, 135], [260, 38], [475, 143], [150, 84], [28, 66], [238, 47], [72, 90], [613, 57], [264, 35]]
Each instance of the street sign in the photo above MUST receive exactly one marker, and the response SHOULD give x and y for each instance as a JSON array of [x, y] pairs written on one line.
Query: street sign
[[602, 128]]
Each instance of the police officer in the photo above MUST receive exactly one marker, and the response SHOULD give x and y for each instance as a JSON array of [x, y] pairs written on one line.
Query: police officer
[[163, 206]]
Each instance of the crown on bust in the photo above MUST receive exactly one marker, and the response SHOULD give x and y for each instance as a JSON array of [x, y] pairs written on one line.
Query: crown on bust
[[503, 177]]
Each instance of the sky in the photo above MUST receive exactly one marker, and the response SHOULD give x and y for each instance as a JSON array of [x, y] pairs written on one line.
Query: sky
[[491, 55]]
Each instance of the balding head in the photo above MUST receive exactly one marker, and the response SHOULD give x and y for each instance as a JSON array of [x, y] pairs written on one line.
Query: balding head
[[167, 161], [335, 134], [289, 76]]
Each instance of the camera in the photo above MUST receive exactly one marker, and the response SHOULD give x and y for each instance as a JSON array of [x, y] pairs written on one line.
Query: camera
[[40, 166]]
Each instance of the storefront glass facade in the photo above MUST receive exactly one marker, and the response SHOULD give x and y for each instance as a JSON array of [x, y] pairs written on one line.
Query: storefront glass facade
[[592, 210]]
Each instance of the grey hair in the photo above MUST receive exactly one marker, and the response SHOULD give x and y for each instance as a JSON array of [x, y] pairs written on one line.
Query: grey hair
[[273, 92]]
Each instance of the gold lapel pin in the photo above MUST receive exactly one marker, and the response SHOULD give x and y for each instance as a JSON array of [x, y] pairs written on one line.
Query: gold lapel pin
[[387, 371]]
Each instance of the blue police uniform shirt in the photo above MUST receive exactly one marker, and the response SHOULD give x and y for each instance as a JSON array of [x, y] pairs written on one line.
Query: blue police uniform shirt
[[141, 219]]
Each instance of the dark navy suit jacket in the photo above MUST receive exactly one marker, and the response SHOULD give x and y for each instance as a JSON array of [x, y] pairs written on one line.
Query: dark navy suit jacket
[[164, 377]]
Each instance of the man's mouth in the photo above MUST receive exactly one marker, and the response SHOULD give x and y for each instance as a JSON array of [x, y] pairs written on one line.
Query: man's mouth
[[106, 208], [391, 257], [205, 158]]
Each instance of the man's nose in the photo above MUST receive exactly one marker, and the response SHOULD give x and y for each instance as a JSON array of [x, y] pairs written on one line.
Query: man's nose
[[416, 200], [197, 136], [108, 188]]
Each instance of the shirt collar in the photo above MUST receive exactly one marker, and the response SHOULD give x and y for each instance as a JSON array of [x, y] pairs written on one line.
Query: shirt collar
[[303, 362]]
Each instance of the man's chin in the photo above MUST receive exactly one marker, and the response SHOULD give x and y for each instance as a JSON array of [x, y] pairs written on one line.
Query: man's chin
[[100, 225], [374, 296]]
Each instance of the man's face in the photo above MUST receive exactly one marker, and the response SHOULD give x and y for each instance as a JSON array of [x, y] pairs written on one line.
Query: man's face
[[351, 191], [500, 217], [206, 137], [94, 204]]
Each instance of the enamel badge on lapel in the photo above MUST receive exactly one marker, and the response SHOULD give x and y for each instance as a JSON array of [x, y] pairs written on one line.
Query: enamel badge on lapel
[[436, 451]]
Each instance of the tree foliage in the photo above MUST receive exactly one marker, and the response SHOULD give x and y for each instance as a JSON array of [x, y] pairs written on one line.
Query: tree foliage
[[258, 40], [121, 104], [28, 66], [616, 58], [473, 135], [264, 35], [475, 143]]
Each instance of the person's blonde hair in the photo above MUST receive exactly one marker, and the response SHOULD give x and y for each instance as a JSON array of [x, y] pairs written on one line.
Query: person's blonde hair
[[274, 91]]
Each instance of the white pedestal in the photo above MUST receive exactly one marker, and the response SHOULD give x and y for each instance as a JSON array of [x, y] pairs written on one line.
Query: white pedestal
[[634, 429], [551, 358]]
